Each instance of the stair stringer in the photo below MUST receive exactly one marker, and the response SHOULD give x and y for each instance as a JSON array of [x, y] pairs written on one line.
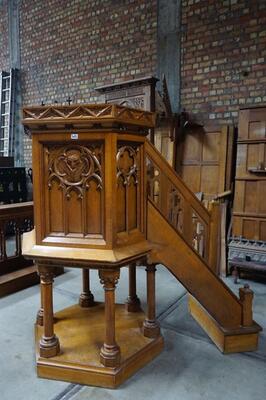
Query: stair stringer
[[216, 308]]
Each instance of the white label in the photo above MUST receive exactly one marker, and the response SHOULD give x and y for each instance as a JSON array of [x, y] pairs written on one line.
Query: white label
[[74, 136]]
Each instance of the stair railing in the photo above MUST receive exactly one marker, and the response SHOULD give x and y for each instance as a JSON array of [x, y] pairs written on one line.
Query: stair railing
[[181, 208]]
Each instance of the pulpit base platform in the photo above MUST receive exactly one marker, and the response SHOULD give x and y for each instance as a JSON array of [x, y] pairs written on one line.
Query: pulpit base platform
[[81, 332]]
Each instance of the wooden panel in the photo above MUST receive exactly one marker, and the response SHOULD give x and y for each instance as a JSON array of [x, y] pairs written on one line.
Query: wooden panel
[[57, 213], [250, 197], [192, 149], [211, 147], [263, 230], [74, 214], [94, 223], [261, 197], [250, 184], [237, 226], [252, 123], [239, 196], [249, 229], [209, 180], [253, 150], [205, 160], [241, 160], [256, 130], [128, 190], [191, 174]]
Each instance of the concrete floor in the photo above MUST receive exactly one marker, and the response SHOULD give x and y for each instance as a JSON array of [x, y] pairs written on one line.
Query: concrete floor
[[190, 367]]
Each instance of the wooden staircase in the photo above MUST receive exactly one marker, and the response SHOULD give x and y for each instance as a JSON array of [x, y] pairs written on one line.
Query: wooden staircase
[[184, 236]]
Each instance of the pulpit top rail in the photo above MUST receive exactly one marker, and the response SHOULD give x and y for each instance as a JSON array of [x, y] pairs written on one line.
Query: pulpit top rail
[[86, 115]]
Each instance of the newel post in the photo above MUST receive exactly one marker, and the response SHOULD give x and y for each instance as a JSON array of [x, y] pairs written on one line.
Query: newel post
[[214, 236], [246, 297]]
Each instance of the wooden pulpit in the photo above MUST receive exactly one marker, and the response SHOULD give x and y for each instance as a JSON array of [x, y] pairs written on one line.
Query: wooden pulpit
[[90, 213]]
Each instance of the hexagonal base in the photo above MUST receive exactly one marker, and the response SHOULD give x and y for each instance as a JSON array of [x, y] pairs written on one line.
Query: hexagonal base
[[81, 335]]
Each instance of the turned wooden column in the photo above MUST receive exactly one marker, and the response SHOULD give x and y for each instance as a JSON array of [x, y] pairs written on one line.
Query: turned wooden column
[[151, 327], [86, 298], [49, 343], [39, 317], [132, 302], [110, 351]]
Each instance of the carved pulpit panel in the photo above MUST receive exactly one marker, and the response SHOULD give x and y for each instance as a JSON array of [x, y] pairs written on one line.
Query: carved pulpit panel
[[128, 193], [73, 203]]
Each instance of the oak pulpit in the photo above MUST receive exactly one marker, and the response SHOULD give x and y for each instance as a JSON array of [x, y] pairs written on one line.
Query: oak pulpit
[[90, 213]]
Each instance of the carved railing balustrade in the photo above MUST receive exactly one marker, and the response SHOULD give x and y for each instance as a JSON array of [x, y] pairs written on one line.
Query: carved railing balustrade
[[15, 219], [177, 203]]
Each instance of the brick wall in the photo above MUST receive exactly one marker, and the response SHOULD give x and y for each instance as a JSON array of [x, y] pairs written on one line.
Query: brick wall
[[4, 52], [223, 57], [69, 47]]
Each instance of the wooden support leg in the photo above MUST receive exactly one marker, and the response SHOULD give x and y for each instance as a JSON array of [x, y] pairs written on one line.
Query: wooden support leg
[[49, 343], [110, 351], [133, 302], [151, 327], [86, 298], [39, 317]]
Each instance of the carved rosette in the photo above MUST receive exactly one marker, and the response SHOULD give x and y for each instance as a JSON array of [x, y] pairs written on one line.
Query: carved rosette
[[74, 166], [126, 161]]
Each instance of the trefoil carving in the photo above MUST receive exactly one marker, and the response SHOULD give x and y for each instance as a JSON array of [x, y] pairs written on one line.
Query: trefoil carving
[[73, 166], [126, 161]]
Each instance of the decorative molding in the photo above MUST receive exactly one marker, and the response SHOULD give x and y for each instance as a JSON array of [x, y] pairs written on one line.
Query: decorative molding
[[74, 166], [109, 278], [46, 278], [81, 114]]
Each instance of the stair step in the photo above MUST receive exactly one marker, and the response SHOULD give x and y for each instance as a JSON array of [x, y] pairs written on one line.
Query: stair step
[[227, 341]]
